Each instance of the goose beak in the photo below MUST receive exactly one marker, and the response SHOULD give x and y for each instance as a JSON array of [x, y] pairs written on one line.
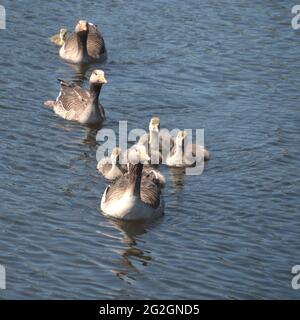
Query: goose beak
[[153, 127], [102, 79], [183, 135], [146, 157], [82, 26]]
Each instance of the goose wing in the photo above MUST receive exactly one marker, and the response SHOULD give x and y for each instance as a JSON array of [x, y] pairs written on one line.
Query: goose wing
[[155, 175], [116, 190], [71, 44], [104, 165], [150, 192], [95, 42], [72, 97]]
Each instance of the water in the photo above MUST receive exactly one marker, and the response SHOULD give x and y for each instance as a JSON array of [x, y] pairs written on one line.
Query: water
[[230, 67]]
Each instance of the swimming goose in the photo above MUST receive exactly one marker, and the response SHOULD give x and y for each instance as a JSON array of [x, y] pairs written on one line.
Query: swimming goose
[[158, 142], [134, 196], [185, 155], [59, 39], [110, 166], [77, 104], [84, 45]]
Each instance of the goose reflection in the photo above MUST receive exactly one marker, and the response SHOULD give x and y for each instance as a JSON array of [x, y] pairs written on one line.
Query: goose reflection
[[131, 232], [90, 141], [81, 71], [177, 177], [90, 136]]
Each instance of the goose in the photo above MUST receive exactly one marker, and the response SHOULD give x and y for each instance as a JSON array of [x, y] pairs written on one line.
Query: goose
[[133, 196], [158, 142], [60, 39], [77, 104], [110, 166], [85, 44], [185, 156]]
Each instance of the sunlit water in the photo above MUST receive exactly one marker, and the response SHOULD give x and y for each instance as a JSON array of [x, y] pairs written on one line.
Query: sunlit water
[[230, 67]]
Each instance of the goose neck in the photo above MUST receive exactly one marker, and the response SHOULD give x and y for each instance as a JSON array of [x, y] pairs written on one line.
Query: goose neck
[[82, 42], [135, 178], [95, 90]]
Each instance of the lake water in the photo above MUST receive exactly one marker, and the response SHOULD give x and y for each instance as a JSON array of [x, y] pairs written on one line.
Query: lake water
[[230, 67]]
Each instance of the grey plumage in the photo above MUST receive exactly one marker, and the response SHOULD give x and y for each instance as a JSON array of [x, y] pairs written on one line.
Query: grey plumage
[[95, 43], [135, 195], [85, 44], [77, 104], [149, 189]]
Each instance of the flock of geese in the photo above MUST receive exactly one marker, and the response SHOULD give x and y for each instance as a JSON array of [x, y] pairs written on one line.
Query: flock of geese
[[136, 186]]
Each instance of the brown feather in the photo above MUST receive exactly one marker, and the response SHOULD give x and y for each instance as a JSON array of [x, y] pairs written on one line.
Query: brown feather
[[95, 42], [73, 97], [149, 192]]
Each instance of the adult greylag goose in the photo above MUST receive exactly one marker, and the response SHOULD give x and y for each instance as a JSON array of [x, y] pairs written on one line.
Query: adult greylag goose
[[133, 196], [110, 167], [77, 104], [60, 39], [186, 155], [158, 142], [84, 45]]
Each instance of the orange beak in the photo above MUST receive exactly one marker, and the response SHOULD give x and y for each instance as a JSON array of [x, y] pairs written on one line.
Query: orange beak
[[102, 79], [82, 26]]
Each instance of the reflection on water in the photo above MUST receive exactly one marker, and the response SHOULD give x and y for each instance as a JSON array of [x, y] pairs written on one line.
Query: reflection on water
[[132, 255], [91, 134], [80, 71], [177, 177]]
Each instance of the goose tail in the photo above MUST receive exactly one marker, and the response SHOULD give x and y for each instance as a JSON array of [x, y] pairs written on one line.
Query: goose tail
[[49, 104]]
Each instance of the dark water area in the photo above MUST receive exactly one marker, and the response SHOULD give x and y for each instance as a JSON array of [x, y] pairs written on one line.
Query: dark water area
[[230, 67]]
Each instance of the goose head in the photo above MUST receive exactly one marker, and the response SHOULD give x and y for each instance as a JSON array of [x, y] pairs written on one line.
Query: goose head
[[98, 77], [181, 135], [63, 34], [82, 26], [154, 124], [115, 155], [136, 159], [138, 154]]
